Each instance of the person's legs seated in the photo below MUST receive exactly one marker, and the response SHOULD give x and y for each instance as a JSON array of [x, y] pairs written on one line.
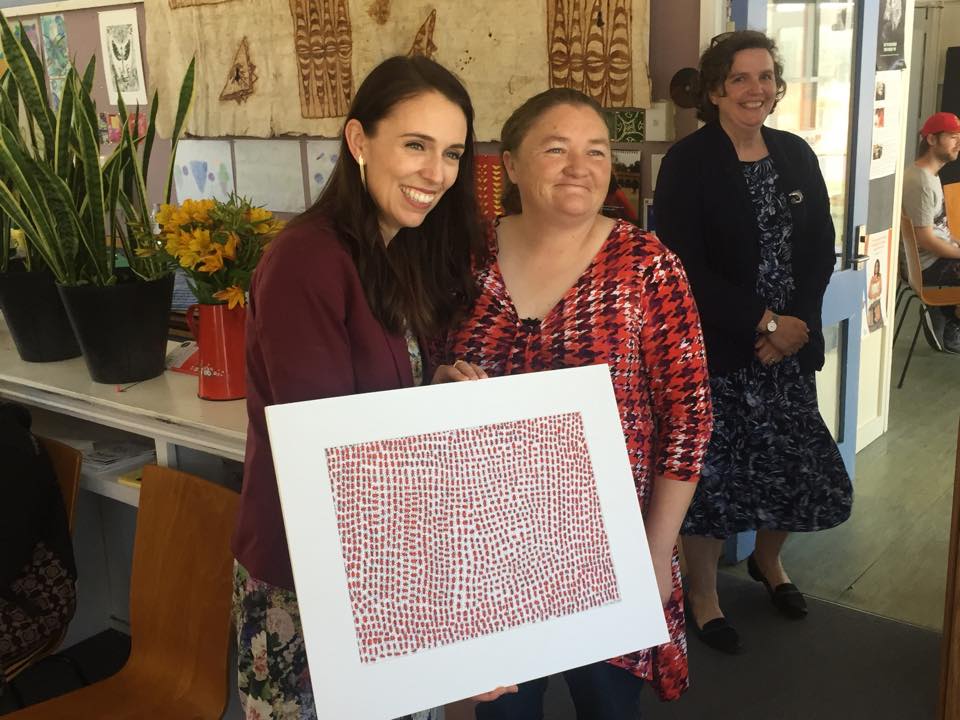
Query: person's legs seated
[[602, 691]]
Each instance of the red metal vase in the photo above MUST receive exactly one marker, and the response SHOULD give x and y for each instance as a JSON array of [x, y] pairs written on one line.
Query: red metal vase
[[219, 334]]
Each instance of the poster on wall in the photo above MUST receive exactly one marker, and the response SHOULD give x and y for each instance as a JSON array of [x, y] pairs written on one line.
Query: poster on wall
[[490, 525], [890, 36], [877, 272], [122, 62], [885, 148]]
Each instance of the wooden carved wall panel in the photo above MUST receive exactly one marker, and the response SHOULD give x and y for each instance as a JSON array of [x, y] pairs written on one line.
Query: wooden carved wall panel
[[324, 46], [423, 43], [590, 48], [174, 4]]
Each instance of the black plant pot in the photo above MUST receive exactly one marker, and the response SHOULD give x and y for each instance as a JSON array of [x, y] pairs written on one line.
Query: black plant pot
[[122, 328], [35, 315]]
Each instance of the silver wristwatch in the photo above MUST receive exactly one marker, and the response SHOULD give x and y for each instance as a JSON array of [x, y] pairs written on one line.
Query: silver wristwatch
[[773, 323]]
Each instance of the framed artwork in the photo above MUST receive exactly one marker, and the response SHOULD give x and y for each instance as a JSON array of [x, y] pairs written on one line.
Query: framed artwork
[[489, 525]]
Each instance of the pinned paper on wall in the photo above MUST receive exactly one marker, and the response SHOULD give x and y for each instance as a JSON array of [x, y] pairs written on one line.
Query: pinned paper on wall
[[503, 510], [56, 54], [123, 64], [270, 174], [322, 156], [31, 28], [204, 169]]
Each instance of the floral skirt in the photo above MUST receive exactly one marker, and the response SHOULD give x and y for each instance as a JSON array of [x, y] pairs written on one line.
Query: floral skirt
[[272, 671], [771, 463], [36, 608]]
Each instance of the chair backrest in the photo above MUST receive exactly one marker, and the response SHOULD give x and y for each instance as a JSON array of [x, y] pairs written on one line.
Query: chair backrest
[[931, 295], [182, 581], [951, 198], [912, 251], [66, 463]]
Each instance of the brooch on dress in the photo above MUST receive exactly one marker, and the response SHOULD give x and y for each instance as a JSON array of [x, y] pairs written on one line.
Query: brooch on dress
[[796, 197]]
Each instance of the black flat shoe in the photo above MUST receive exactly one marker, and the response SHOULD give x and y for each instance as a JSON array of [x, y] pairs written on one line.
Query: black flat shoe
[[785, 596], [717, 634]]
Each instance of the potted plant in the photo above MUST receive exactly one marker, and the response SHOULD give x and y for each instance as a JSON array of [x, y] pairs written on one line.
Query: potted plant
[[218, 244], [29, 300], [65, 201]]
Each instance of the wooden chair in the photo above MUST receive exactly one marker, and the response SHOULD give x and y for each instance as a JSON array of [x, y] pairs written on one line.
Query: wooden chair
[[180, 620], [928, 296], [66, 463], [951, 199]]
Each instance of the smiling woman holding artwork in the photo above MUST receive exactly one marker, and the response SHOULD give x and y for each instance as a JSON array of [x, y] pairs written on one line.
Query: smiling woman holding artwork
[[746, 208], [564, 286], [338, 305]]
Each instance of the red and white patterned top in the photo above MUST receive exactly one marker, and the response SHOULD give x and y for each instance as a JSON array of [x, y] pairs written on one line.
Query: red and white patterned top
[[632, 309]]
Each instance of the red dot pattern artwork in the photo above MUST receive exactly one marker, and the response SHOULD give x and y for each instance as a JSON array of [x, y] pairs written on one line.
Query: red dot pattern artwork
[[459, 534]]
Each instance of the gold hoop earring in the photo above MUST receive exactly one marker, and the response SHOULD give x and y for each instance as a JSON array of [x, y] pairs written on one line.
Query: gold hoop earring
[[363, 171]]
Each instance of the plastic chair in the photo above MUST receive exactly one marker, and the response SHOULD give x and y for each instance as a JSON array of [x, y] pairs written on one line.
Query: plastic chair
[[929, 296], [180, 619], [66, 463]]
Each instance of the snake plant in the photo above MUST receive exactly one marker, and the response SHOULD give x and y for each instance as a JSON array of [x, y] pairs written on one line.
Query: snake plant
[[55, 186]]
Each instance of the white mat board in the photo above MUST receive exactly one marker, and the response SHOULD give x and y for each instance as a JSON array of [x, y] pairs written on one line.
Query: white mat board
[[301, 433]]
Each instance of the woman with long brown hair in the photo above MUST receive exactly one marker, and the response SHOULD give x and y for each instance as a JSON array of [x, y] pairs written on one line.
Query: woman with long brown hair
[[340, 304]]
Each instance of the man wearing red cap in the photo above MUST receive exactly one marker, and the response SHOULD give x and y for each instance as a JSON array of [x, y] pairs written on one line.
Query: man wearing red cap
[[923, 204]]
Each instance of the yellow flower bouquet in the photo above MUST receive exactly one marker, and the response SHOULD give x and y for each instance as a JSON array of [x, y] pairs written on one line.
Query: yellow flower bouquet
[[218, 244]]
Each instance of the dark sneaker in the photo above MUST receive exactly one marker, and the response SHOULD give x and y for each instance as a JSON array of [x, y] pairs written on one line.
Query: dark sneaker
[[951, 337], [933, 323]]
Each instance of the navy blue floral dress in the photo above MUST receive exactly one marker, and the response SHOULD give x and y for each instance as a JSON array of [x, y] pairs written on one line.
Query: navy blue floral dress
[[771, 463]]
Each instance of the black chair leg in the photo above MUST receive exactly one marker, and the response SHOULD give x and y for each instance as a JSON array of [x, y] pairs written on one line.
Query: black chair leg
[[903, 316], [916, 334]]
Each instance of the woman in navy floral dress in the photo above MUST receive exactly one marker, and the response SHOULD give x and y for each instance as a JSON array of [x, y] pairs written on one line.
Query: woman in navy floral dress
[[746, 209]]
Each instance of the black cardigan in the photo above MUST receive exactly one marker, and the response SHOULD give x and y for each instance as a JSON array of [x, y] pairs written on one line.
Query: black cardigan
[[704, 214]]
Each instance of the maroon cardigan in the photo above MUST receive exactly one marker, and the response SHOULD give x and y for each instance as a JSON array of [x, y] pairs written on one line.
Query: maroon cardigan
[[310, 334]]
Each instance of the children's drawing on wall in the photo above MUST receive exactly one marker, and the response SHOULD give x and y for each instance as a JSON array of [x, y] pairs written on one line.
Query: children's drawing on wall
[[123, 66], [325, 79], [174, 4], [204, 169], [322, 156], [242, 76], [53, 34], [589, 49], [423, 43]]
